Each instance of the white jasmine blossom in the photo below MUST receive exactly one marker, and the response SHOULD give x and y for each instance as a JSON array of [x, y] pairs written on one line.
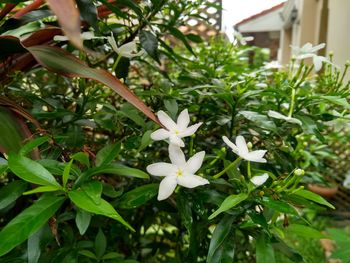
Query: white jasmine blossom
[[174, 131], [277, 115], [178, 172], [128, 50], [346, 182], [259, 179], [241, 149], [308, 51], [84, 36], [273, 65], [238, 37]]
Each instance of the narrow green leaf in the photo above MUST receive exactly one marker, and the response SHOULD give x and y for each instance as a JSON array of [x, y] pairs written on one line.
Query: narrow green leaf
[[228, 203], [28, 222], [145, 140], [30, 170], [42, 189], [66, 172], [33, 246], [305, 231], [100, 244], [279, 206], [314, 197], [149, 42], [88, 12], [82, 157], [88, 254], [221, 232], [179, 35], [107, 154], [82, 220], [83, 201], [9, 193], [32, 144], [93, 190], [264, 250], [138, 196], [118, 169]]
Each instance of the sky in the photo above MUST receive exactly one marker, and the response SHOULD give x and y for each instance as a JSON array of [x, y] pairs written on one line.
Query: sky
[[236, 10]]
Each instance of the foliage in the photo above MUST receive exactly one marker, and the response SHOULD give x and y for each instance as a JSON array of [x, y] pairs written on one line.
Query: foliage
[[78, 139]]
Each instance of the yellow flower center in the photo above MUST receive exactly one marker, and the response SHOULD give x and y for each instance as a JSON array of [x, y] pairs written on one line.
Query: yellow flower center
[[179, 172], [177, 132]]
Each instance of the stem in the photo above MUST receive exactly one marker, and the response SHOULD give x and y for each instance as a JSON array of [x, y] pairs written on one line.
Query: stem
[[116, 63], [249, 172], [191, 146], [291, 108], [234, 163]]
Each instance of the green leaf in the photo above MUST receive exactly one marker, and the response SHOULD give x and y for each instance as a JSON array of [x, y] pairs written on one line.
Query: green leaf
[[28, 222], [259, 119], [32, 144], [194, 38], [83, 201], [9, 193], [82, 220], [88, 12], [145, 140], [100, 244], [337, 100], [138, 196], [30, 170], [66, 172], [279, 206], [62, 62], [107, 154], [42, 189], [304, 231], [33, 246], [149, 42], [314, 197], [118, 169], [93, 190], [228, 203], [185, 210], [82, 157], [179, 35], [221, 232], [264, 250], [3, 165], [87, 253]]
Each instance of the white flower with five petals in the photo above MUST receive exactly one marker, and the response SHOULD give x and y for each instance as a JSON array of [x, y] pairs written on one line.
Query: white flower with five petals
[[128, 50], [174, 131], [178, 172], [308, 51], [241, 149]]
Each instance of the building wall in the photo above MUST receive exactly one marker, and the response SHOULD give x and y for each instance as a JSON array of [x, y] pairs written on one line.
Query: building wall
[[338, 37]]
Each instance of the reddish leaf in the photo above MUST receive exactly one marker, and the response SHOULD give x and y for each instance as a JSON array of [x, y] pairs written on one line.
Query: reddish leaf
[[69, 18], [28, 8], [62, 62]]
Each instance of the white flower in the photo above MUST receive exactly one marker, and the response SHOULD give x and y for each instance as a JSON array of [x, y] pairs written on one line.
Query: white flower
[[259, 179], [238, 37], [128, 50], [308, 51], [175, 131], [346, 182], [273, 65], [241, 149], [178, 172], [277, 115], [84, 36]]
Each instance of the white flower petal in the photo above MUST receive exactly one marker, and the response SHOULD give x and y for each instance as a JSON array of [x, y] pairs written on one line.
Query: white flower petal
[[161, 169], [166, 121], [88, 35], [190, 130], [113, 44], [128, 48], [183, 120], [259, 179], [346, 182], [60, 38], [176, 155], [175, 140], [318, 47], [317, 60], [166, 187], [160, 134], [255, 156], [191, 180], [241, 145], [230, 144], [194, 163]]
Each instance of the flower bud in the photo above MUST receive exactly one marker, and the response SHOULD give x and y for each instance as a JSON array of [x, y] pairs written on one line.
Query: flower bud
[[347, 63], [250, 145], [261, 193], [299, 172]]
